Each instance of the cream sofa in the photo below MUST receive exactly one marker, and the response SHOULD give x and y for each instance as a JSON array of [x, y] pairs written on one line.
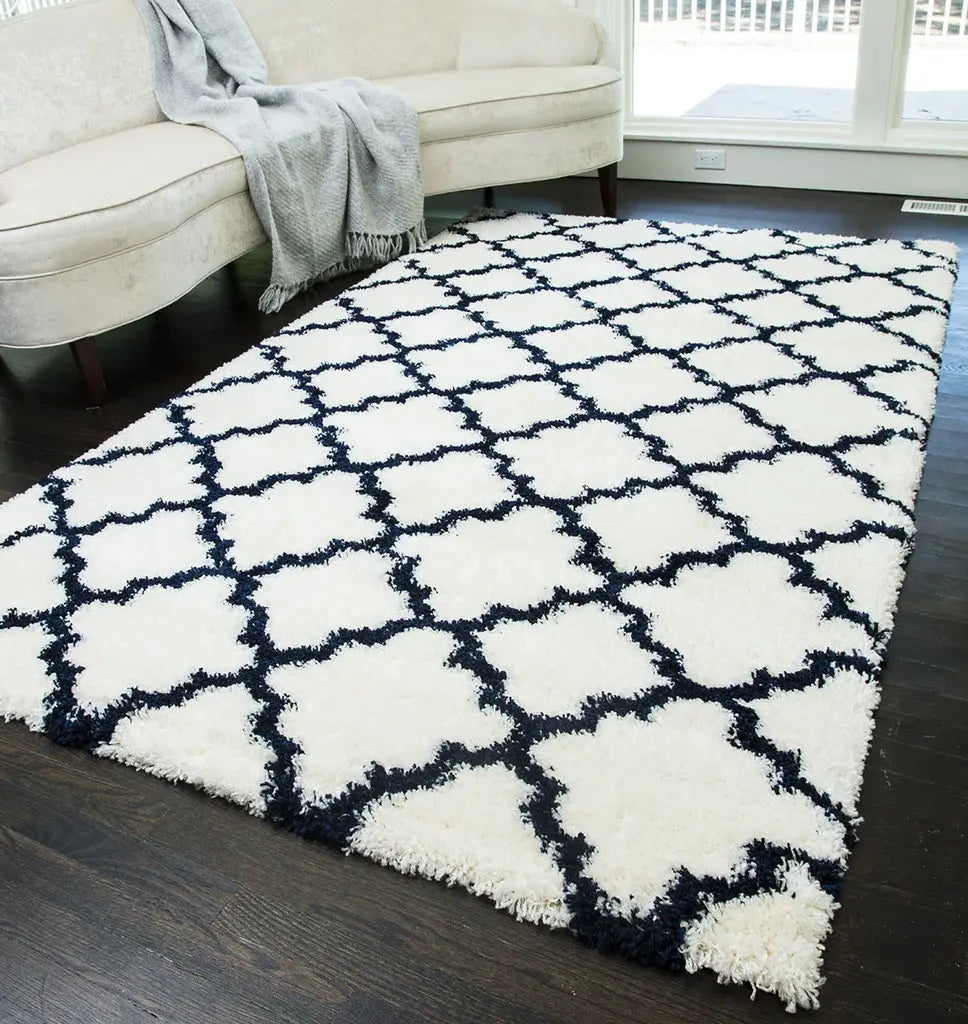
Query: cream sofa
[[108, 211]]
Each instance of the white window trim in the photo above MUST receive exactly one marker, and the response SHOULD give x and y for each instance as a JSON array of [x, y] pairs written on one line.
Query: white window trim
[[878, 96]]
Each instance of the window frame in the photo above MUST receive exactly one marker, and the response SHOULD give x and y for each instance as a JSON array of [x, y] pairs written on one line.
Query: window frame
[[886, 29]]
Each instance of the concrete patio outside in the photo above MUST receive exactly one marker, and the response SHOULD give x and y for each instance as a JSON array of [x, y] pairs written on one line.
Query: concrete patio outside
[[682, 70]]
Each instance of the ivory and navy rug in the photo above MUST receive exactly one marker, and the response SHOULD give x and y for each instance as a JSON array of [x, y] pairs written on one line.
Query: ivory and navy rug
[[557, 561]]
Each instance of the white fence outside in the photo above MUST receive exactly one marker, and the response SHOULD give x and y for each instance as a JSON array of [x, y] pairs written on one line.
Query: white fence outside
[[797, 17], [8, 8], [932, 17]]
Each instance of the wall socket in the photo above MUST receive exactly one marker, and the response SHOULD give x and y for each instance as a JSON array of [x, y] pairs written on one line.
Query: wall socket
[[710, 160]]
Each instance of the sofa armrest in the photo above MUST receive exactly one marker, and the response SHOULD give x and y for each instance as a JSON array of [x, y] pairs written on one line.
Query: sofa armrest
[[527, 33]]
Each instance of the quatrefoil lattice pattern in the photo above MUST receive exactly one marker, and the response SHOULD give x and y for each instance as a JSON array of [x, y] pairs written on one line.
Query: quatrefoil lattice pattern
[[557, 561]]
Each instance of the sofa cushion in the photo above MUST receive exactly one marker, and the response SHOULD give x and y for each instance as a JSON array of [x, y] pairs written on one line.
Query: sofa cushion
[[134, 186], [109, 194], [465, 104]]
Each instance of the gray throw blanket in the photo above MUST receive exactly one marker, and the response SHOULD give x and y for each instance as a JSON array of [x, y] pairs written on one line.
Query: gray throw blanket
[[333, 168]]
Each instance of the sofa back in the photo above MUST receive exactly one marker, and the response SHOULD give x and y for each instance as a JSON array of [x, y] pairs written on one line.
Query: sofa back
[[72, 73], [316, 40], [76, 72], [81, 70]]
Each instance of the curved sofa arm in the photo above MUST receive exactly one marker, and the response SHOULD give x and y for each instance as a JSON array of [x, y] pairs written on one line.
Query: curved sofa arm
[[527, 33]]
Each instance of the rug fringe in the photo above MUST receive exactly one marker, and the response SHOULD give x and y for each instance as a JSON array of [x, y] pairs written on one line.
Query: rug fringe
[[501, 891]]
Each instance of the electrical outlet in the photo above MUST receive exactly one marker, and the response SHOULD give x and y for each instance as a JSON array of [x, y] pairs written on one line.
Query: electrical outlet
[[710, 160]]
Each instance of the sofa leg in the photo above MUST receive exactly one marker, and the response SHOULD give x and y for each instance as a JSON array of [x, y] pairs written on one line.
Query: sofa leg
[[608, 186], [84, 351], [489, 197]]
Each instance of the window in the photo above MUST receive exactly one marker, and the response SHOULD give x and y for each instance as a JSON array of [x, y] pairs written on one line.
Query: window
[[777, 60], [863, 74], [8, 8], [937, 71]]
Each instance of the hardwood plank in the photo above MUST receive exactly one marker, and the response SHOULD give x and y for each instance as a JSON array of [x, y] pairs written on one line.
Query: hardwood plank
[[925, 720], [77, 954], [125, 899], [381, 907]]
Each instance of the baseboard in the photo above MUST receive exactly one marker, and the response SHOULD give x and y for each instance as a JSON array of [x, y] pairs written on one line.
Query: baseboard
[[890, 173]]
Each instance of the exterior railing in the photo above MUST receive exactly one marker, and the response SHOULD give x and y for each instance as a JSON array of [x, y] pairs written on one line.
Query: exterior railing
[[931, 17], [8, 8]]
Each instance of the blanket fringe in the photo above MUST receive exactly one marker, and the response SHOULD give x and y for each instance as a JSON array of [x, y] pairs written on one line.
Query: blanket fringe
[[362, 251], [383, 248]]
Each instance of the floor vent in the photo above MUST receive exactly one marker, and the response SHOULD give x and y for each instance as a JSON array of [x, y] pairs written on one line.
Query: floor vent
[[935, 206]]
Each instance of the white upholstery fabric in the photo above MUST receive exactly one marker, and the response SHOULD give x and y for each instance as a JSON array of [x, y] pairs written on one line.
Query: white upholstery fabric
[[119, 191], [314, 40], [511, 33], [95, 296], [108, 211], [465, 104], [76, 72], [70, 74], [507, 157], [311, 40]]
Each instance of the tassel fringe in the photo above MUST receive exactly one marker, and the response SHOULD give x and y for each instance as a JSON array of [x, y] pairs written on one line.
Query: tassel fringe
[[362, 252]]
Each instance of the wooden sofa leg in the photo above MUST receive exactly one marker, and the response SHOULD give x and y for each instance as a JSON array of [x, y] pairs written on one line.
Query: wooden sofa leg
[[84, 351], [489, 197], [608, 186]]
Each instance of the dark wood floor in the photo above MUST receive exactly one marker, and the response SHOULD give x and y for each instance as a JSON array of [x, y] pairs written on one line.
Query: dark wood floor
[[124, 899]]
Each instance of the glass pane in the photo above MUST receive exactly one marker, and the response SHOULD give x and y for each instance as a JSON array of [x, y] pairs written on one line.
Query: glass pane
[[937, 76], [783, 60]]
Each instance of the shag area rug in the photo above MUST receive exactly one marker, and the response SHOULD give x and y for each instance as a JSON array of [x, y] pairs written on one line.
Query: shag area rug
[[556, 561]]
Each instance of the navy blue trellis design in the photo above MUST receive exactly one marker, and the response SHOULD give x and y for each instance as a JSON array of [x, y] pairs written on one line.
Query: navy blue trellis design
[[655, 936]]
